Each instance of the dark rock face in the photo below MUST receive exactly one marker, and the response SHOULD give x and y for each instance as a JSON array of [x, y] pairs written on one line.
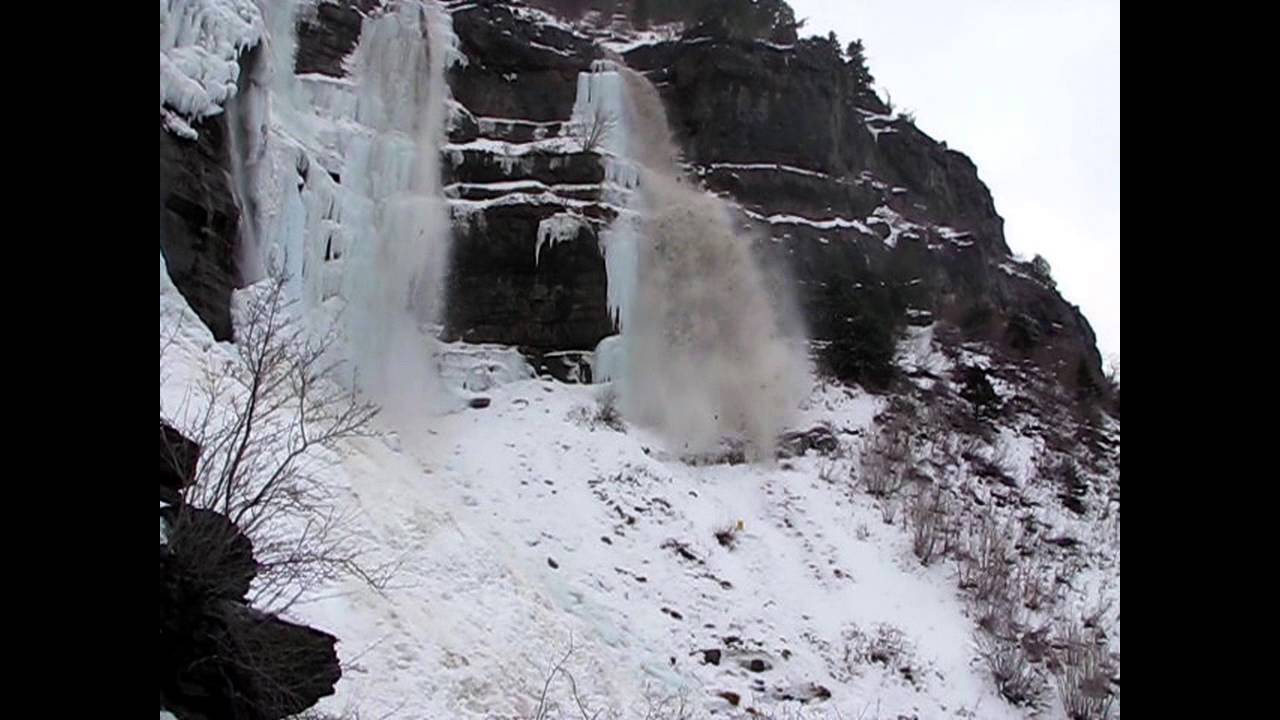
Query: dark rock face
[[499, 292], [221, 659], [517, 87], [736, 102], [516, 68], [468, 165], [327, 38], [199, 221]]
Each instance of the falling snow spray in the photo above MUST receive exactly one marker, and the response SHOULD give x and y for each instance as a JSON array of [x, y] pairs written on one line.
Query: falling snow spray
[[705, 352], [394, 285]]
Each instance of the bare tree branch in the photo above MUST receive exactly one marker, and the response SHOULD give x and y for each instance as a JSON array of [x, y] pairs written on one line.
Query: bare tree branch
[[596, 129], [271, 418]]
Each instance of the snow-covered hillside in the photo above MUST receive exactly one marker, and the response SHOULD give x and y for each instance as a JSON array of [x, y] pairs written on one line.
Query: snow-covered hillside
[[526, 525]]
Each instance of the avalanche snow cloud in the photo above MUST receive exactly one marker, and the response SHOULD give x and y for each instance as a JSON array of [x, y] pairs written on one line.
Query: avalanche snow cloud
[[705, 351]]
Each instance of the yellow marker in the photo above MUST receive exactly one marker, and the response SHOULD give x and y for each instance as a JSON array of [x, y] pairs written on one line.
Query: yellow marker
[[739, 526]]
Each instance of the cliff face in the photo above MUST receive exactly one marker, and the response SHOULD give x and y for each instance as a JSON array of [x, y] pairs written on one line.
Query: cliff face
[[873, 223], [198, 221], [858, 195]]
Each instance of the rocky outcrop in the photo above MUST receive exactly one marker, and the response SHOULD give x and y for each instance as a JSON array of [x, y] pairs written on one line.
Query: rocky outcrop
[[328, 34], [505, 174], [516, 68], [478, 164], [219, 657], [199, 221]]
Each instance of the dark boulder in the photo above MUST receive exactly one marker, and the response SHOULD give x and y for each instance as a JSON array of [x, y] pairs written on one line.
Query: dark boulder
[[209, 553], [221, 659], [799, 442]]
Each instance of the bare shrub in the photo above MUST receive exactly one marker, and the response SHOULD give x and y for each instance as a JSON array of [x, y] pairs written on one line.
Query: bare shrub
[[984, 561], [667, 707], [930, 516], [886, 646], [1011, 668], [596, 129], [827, 472], [604, 413], [1083, 674], [547, 706], [607, 413], [270, 416], [888, 510], [887, 459]]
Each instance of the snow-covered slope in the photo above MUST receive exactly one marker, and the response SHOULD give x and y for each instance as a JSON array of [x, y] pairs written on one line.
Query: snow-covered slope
[[524, 526]]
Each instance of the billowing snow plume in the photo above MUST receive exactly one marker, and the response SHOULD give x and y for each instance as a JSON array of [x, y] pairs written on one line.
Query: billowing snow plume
[[704, 353]]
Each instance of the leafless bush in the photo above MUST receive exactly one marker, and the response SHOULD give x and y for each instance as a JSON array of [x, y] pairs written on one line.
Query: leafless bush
[[596, 129], [885, 645], [930, 516], [1083, 675], [607, 412], [548, 708], [827, 472], [888, 510], [1034, 588], [1095, 618], [270, 416], [984, 561], [1011, 668], [667, 707], [887, 459]]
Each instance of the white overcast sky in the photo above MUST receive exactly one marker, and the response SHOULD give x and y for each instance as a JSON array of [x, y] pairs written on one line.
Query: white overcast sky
[[1030, 90]]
